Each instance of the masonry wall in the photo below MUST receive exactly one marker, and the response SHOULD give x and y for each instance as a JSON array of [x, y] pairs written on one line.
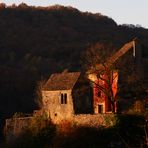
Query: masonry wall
[[15, 126], [53, 107], [65, 112], [95, 120]]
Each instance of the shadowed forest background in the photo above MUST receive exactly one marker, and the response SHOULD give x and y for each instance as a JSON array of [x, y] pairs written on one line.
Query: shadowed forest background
[[38, 41]]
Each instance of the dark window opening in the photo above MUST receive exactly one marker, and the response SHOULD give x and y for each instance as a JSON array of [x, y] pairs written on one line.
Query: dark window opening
[[64, 98], [99, 93], [100, 108], [55, 114]]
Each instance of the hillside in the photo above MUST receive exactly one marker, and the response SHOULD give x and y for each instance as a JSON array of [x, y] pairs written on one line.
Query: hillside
[[38, 41]]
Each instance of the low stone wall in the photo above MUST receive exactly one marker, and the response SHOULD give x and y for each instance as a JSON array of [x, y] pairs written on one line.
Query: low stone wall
[[89, 120], [96, 120], [14, 126]]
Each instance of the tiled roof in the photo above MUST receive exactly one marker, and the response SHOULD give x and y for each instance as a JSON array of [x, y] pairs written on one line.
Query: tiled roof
[[62, 81]]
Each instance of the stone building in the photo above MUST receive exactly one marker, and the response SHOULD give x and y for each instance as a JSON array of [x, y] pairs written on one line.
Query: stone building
[[128, 73], [62, 97], [71, 96], [57, 95], [66, 94]]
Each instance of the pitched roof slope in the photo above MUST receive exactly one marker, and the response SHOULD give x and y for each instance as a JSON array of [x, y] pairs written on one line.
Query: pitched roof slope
[[62, 81]]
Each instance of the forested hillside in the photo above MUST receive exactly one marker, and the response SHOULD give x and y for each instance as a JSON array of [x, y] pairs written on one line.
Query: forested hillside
[[38, 41]]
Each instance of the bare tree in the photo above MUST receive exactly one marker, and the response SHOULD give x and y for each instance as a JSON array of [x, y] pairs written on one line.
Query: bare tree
[[95, 63], [38, 93], [109, 77], [101, 60]]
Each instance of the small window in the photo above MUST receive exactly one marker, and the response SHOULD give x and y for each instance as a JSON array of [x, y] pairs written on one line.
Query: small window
[[99, 93], [64, 98]]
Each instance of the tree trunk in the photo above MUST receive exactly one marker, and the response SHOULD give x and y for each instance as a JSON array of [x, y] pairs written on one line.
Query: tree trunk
[[113, 106]]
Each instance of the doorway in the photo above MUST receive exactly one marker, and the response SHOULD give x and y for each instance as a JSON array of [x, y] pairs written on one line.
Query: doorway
[[100, 109]]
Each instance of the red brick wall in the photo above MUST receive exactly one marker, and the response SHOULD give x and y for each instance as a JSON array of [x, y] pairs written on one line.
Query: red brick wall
[[102, 99]]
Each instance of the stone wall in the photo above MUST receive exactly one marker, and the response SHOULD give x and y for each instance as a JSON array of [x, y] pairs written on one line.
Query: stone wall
[[91, 120], [54, 108], [59, 113], [15, 126], [95, 120]]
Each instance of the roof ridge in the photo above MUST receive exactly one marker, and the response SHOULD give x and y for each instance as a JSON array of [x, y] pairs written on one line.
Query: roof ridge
[[61, 81]]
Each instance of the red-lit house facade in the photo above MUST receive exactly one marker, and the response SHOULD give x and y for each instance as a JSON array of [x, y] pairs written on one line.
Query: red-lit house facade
[[101, 103]]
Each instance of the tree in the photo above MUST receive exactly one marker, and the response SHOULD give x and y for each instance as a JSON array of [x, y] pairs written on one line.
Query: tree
[[108, 77], [2, 6], [23, 6], [95, 63], [104, 66], [38, 93]]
